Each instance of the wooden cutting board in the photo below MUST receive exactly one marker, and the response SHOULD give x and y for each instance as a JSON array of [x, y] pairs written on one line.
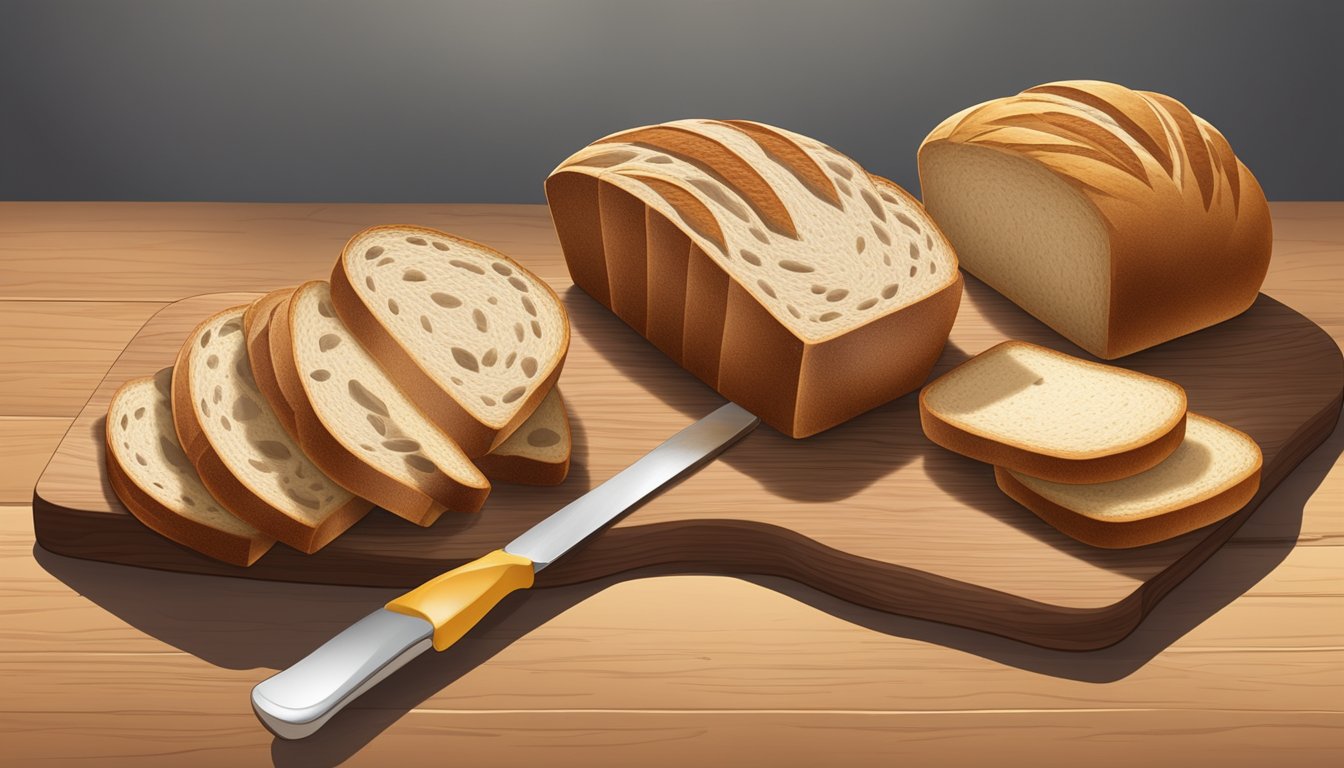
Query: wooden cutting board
[[870, 511]]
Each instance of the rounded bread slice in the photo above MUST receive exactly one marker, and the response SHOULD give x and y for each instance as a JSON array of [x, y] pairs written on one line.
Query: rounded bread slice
[[1213, 473], [538, 452], [474, 340], [357, 425], [244, 456], [158, 484], [1054, 416]]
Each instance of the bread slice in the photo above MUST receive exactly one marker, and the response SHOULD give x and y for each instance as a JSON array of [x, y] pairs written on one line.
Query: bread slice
[[1213, 473], [766, 263], [472, 338], [1114, 216], [256, 332], [537, 453], [1050, 415], [356, 425], [154, 479], [244, 456]]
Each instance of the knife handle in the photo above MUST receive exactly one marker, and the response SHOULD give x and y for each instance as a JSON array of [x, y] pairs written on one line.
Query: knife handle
[[455, 601]]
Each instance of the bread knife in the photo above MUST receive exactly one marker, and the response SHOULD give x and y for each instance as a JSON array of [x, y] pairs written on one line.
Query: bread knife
[[296, 702]]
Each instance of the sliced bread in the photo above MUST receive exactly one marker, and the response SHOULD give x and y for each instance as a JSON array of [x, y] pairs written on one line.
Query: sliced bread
[[1053, 416], [768, 264], [158, 484], [537, 453], [1117, 217], [256, 332], [1213, 473], [244, 456], [472, 338], [356, 425]]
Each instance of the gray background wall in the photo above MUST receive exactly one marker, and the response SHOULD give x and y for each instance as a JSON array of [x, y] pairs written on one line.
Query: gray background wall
[[448, 101]]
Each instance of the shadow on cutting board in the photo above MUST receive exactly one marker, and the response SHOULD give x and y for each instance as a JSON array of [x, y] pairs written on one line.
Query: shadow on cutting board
[[220, 620]]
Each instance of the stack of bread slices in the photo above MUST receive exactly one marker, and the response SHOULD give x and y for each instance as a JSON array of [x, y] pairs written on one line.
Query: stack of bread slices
[[1107, 455], [421, 373]]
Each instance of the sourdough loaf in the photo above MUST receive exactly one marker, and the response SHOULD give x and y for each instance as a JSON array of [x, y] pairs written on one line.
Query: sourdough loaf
[[766, 263], [472, 338], [1054, 416], [356, 425], [1116, 217], [158, 484], [1213, 473], [244, 456]]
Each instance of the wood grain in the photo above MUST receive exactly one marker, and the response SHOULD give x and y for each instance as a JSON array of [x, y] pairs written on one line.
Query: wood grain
[[911, 512], [1261, 608], [26, 444]]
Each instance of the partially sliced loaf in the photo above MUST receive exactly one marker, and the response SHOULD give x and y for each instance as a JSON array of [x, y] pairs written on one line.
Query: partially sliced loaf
[[256, 331], [473, 339], [1051, 415], [356, 425], [238, 446], [154, 479], [537, 453], [768, 264], [1213, 473]]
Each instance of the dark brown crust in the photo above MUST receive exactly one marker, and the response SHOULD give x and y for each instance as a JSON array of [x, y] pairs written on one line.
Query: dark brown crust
[[211, 542], [233, 494], [421, 506], [1134, 533], [1021, 458], [476, 438], [519, 470]]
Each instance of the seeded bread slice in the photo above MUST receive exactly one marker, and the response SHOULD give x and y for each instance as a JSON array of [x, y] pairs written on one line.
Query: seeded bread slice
[[472, 338], [154, 479], [1213, 473], [244, 456], [356, 425], [256, 331], [537, 453], [1053, 416]]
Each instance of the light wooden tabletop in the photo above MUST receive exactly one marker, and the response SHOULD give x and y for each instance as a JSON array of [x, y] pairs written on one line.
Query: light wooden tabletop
[[147, 668]]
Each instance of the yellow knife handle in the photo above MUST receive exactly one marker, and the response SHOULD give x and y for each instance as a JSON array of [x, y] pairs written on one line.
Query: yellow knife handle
[[457, 600]]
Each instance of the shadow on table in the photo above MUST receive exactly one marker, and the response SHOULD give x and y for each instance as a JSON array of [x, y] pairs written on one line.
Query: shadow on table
[[243, 624]]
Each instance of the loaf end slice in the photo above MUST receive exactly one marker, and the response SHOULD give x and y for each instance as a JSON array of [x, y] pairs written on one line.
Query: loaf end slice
[[158, 484], [1054, 416], [1212, 474], [474, 339], [357, 425], [238, 446], [538, 452]]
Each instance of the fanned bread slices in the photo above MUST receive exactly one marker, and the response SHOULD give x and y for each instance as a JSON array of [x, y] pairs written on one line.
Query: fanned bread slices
[[157, 483], [256, 333], [537, 453], [768, 264], [1213, 473], [1053, 416], [1115, 216], [238, 446], [472, 338], [356, 425]]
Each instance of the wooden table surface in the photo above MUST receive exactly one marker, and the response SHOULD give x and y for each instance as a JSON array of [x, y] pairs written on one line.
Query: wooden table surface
[[139, 667]]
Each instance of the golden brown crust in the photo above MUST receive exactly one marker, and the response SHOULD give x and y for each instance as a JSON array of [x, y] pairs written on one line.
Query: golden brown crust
[[258, 336], [212, 542], [1190, 233], [520, 470], [1131, 533], [438, 404], [421, 506], [231, 492]]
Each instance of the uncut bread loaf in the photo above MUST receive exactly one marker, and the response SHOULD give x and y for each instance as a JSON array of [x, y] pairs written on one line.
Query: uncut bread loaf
[[472, 338], [356, 425], [1213, 473], [243, 455], [766, 263], [1116, 217], [1054, 416], [158, 484]]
